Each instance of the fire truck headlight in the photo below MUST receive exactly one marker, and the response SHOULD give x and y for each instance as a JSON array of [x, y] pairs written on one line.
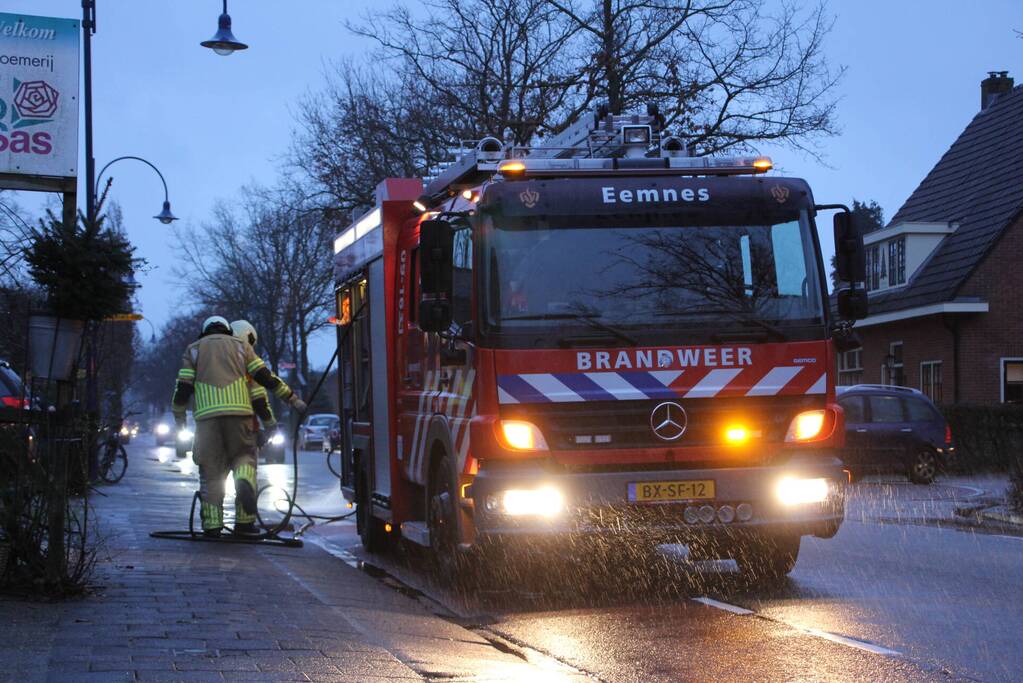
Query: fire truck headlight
[[542, 502], [806, 426], [795, 491], [522, 436]]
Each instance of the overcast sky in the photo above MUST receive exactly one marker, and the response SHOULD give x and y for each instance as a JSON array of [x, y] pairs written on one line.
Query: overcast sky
[[212, 124]]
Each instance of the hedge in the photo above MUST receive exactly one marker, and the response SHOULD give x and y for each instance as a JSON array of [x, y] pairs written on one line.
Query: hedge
[[988, 438]]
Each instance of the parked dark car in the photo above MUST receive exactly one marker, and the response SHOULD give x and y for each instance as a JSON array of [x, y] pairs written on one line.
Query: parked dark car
[[12, 392], [894, 429]]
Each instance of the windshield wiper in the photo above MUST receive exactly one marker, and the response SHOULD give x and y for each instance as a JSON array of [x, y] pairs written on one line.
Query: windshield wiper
[[589, 319], [770, 328]]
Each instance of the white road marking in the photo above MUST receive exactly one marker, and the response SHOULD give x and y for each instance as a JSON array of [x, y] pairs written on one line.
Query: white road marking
[[1015, 538], [724, 605], [834, 638], [849, 642], [974, 489]]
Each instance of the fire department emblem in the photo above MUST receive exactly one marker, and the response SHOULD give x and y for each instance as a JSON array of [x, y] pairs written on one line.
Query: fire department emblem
[[780, 193], [529, 198], [668, 421]]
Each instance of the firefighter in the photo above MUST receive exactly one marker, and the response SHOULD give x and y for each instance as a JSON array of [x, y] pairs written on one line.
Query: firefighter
[[244, 330], [215, 373]]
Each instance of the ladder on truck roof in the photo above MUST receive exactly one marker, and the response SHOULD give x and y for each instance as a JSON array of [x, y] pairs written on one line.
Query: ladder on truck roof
[[598, 144]]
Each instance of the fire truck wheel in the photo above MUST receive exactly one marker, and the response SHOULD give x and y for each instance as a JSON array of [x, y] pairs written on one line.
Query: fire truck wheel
[[371, 529], [442, 522], [766, 559]]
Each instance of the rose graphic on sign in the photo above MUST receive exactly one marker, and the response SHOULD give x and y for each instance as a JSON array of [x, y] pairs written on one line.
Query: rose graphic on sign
[[35, 99]]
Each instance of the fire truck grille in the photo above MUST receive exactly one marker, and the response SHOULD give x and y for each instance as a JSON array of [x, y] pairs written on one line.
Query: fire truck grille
[[596, 425]]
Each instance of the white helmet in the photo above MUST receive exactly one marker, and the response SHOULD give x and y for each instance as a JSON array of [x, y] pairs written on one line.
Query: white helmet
[[215, 320], [243, 329]]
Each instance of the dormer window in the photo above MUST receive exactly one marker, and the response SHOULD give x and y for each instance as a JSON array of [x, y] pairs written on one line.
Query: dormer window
[[897, 262], [894, 254]]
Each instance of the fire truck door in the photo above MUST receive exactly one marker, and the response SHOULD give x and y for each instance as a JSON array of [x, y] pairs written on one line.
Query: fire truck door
[[379, 387], [416, 393]]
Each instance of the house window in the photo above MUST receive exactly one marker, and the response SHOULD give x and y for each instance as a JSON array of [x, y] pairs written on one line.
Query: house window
[[897, 262], [1012, 380], [873, 267], [850, 367], [930, 379], [892, 370]]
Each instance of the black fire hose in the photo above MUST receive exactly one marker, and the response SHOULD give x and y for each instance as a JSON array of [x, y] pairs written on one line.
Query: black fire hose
[[271, 535]]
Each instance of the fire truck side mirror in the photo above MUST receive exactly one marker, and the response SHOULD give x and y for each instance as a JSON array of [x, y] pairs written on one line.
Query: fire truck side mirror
[[850, 256], [852, 303], [436, 246]]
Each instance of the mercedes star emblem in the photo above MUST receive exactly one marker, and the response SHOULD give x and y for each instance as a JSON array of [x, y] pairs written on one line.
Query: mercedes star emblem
[[668, 421]]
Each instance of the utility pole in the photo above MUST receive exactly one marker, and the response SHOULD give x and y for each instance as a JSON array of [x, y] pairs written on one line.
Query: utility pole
[[91, 385]]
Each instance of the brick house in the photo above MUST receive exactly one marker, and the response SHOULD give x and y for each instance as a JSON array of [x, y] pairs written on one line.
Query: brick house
[[945, 276]]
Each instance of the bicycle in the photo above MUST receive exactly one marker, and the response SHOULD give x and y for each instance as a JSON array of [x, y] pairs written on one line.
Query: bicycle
[[113, 458]]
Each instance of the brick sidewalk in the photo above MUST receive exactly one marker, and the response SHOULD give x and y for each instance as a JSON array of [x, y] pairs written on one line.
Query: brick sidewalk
[[179, 611]]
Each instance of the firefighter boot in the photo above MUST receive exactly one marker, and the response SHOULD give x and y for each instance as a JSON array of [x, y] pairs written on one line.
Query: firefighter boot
[[245, 493], [212, 519]]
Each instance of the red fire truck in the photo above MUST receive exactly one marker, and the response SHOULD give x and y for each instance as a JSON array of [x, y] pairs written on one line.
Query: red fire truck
[[602, 334]]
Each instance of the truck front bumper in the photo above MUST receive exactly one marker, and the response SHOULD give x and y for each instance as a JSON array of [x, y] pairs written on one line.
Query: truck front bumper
[[745, 499]]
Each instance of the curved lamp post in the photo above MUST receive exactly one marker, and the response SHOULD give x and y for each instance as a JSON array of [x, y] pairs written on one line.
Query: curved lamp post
[[223, 41], [165, 216]]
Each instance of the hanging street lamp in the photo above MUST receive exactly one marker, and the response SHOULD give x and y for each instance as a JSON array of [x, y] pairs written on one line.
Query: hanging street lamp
[[223, 41]]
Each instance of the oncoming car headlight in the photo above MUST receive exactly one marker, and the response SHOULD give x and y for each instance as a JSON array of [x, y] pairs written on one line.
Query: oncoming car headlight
[[162, 429], [277, 439], [185, 435]]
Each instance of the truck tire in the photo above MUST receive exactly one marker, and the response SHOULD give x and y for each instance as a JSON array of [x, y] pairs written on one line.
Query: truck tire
[[371, 529], [443, 522], [767, 558]]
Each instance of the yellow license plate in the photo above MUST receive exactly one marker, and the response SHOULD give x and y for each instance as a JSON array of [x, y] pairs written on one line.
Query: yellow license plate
[[670, 491]]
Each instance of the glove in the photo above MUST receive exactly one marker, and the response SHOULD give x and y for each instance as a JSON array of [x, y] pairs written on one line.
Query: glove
[[297, 403]]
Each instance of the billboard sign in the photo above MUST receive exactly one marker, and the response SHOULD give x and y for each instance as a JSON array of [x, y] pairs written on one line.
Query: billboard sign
[[38, 95]]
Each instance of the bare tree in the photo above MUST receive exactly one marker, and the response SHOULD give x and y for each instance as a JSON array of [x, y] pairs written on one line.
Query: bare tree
[[366, 125], [496, 67], [266, 264], [158, 364], [724, 73]]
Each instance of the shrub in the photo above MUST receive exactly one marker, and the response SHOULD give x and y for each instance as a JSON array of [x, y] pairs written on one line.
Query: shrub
[[988, 438]]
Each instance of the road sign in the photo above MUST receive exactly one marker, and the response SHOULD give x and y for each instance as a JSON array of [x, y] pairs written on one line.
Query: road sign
[[38, 95], [124, 317]]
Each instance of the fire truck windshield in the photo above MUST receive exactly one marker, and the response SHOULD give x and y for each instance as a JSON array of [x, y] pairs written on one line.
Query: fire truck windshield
[[655, 273]]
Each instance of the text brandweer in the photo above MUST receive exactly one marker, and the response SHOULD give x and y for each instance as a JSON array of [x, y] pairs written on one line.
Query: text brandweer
[[724, 357]]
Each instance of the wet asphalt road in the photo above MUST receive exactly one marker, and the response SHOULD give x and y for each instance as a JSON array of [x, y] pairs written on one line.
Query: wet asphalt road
[[891, 597]]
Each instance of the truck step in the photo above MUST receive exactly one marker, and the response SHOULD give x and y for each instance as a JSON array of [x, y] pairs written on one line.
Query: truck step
[[417, 532]]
